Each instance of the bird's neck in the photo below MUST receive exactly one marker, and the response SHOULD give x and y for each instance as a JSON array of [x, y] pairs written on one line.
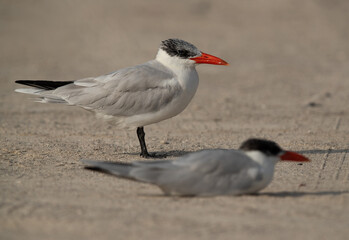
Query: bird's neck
[[262, 159], [184, 69], [174, 63]]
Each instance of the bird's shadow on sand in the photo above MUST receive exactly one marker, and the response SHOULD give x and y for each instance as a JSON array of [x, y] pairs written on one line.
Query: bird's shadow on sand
[[321, 151], [162, 154], [301, 194], [283, 194]]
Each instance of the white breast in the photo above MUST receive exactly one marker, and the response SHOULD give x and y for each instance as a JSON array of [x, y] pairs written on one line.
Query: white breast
[[265, 170]]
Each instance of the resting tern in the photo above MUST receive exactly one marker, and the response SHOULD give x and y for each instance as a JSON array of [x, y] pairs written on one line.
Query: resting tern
[[136, 96], [208, 172]]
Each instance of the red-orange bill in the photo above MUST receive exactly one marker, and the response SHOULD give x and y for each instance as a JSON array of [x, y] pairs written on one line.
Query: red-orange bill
[[292, 156], [209, 59]]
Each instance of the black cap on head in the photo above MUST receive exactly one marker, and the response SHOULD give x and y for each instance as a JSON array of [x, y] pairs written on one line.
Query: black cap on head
[[179, 48], [267, 147]]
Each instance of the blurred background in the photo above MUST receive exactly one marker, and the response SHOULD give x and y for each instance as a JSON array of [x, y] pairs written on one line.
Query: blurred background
[[270, 40]]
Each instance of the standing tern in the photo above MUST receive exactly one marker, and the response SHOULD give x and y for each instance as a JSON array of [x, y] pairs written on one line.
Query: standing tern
[[208, 172], [136, 96]]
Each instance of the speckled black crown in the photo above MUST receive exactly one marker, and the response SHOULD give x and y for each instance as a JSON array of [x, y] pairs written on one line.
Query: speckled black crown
[[179, 48], [267, 147]]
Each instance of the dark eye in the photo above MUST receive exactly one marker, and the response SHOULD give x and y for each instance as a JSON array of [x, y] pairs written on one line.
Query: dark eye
[[183, 53]]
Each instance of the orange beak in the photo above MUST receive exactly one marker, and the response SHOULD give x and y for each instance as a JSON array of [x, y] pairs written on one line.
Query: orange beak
[[209, 59], [292, 156]]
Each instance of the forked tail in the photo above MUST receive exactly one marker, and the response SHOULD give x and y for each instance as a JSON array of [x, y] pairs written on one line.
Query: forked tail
[[43, 90], [43, 84]]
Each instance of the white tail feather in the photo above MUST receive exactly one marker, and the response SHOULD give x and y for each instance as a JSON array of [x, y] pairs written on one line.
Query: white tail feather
[[34, 91], [49, 100], [44, 96]]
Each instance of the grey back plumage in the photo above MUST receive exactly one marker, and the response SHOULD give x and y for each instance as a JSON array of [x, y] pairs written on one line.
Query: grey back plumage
[[121, 93], [205, 173]]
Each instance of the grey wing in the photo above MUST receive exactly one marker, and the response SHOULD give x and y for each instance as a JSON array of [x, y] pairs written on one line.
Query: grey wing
[[125, 92], [209, 172]]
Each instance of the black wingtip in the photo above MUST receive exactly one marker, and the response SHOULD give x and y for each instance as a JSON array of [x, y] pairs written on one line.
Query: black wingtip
[[96, 169], [44, 84]]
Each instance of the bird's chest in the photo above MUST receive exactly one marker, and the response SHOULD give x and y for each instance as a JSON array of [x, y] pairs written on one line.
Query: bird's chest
[[189, 81], [265, 176], [261, 176]]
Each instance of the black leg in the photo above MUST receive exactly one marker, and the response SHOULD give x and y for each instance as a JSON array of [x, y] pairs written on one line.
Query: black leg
[[141, 134], [144, 151]]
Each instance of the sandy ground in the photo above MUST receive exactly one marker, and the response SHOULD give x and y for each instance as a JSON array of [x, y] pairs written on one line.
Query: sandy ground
[[287, 81]]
